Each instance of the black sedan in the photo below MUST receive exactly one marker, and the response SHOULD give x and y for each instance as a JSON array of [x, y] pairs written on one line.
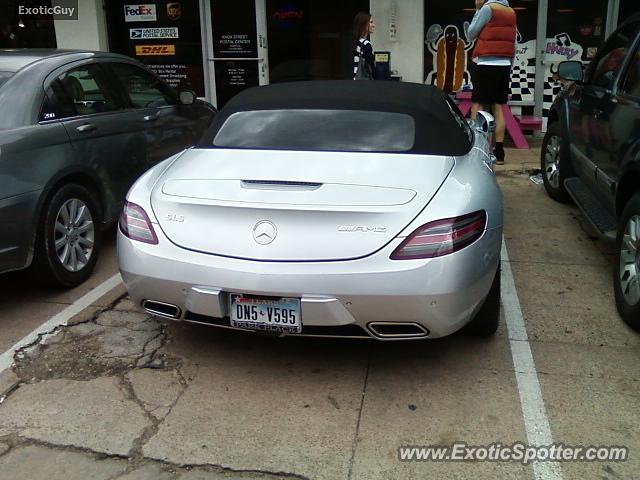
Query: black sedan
[[76, 129]]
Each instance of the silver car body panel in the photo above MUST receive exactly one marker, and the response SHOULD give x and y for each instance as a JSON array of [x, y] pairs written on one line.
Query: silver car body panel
[[440, 294], [380, 193]]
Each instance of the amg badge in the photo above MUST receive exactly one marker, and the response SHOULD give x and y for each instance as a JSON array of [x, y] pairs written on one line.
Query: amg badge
[[361, 228]]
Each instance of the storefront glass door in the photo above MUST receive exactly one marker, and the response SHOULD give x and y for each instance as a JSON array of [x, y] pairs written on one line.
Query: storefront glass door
[[237, 56]]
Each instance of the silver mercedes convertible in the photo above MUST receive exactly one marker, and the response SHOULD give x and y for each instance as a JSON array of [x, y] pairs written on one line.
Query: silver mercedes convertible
[[337, 208]]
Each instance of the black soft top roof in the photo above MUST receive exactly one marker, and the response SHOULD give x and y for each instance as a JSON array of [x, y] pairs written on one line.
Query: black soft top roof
[[437, 130]]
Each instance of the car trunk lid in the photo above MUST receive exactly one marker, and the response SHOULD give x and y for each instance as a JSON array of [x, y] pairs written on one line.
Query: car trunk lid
[[293, 206]]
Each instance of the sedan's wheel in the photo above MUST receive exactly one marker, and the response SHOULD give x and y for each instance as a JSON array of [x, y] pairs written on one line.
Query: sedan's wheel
[[554, 162], [68, 238], [487, 319], [74, 235], [627, 272]]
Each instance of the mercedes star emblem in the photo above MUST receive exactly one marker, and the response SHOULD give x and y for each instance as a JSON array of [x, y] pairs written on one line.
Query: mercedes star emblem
[[264, 232]]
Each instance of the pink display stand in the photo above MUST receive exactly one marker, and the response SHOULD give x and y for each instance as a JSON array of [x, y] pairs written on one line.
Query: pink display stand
[[513, 126]]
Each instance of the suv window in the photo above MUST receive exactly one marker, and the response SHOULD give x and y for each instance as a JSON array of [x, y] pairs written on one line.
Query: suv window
[[605, 67], [631, 82], [144, 90], [83, 90]]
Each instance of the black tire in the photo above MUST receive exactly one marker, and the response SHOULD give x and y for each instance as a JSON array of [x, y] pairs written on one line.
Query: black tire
[[628, 306], [486, 321], [555, 163], [47, 267]]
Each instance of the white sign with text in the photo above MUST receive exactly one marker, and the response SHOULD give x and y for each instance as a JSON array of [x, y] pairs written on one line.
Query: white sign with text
[[140, 13]]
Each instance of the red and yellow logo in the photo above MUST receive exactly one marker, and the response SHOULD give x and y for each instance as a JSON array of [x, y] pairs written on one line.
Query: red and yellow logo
[[155, 50]]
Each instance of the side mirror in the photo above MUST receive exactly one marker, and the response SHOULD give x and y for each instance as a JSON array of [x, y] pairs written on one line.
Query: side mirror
[[187, 97], [571, 70], [485, 123]]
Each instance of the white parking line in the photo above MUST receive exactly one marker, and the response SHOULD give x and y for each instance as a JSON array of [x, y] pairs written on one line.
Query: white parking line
[[60, 319], [536, 421]]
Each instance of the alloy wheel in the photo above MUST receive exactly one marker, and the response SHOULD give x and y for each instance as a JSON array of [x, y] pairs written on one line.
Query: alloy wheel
[[630, 261], [74, 235], [552, 161]]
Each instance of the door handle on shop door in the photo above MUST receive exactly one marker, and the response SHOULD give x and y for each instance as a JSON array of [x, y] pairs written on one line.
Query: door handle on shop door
[[87, 127]]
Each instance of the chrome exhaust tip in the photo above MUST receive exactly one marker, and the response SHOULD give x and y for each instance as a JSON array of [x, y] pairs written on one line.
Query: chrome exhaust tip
[[397, 330], [161, 309]]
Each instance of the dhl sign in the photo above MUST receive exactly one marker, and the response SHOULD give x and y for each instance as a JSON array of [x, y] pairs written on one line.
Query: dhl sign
[[155, 49]]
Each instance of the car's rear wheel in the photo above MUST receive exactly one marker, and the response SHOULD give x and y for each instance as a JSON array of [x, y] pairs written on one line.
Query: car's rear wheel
[[555, 163], [487, 319], [626, 279], [68, 237]]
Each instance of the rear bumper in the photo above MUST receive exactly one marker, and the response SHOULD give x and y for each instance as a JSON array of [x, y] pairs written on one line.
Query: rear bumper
[[338, 298], [18, 223]]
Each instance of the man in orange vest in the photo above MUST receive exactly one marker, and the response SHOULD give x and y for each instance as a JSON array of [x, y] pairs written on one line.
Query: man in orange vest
[[494, 26]]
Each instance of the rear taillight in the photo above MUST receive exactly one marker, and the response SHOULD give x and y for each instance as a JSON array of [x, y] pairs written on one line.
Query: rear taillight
[[442, 237], [136, 225]]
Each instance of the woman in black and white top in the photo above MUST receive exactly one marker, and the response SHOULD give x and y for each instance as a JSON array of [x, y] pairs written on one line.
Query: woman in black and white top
[[364, 67]]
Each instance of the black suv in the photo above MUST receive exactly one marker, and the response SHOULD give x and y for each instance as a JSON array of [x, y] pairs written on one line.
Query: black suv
[[591, 153]]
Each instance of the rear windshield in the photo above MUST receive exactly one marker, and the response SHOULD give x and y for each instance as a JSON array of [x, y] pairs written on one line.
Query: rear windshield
[[4, 76], [318, 130]]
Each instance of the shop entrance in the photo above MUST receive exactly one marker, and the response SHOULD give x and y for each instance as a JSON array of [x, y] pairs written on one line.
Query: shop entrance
[[236, 47], [256, 42]]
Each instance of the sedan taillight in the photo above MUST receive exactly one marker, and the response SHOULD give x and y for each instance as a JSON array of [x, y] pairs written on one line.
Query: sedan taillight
[[442, 237], [136, 225]]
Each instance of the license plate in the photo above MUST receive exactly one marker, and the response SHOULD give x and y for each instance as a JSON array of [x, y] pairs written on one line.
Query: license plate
[[275, 315]]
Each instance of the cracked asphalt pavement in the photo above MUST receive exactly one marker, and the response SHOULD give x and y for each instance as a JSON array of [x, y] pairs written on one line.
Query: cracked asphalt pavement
[[119, 395]]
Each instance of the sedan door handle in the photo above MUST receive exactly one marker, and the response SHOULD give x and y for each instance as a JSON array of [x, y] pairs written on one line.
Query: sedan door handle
[[87, 127], [151, 118]]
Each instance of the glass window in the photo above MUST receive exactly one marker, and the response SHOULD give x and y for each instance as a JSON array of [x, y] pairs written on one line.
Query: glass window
[[605, 67], [631, 82], [144, 90], [575, 29], [182, 71], [88, 90], [627, 9], [57, 104], [35, 30], [319, 130], [448, 59]]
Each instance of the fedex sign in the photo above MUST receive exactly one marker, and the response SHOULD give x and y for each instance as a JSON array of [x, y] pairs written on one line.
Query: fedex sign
[[140, 13]]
